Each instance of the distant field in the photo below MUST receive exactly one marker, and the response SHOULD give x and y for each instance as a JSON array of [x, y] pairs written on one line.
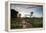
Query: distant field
[[16, 23]]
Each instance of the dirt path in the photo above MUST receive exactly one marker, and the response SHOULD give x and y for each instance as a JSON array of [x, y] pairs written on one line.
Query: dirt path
[[26, 25]]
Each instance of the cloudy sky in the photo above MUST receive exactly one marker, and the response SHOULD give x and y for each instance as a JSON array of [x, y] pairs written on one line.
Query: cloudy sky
[[27, 9]]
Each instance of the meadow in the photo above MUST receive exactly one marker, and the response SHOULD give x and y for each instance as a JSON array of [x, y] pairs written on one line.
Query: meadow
[[16, 23]]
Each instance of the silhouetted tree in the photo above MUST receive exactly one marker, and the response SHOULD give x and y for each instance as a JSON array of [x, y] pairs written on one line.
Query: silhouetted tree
[[14, 13], [31, 13], [19, 15]]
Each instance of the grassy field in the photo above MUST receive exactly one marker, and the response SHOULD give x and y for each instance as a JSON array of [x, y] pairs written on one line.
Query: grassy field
[[36, 22]]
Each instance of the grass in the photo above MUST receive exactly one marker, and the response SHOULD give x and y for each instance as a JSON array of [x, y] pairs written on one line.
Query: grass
[[36, 22]]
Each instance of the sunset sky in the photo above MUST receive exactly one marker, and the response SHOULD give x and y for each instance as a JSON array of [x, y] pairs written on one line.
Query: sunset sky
[[27, 9]]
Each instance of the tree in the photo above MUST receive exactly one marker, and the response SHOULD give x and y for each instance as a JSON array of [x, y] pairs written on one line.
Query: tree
[[31, 13], [14, 13], [19, 15]]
